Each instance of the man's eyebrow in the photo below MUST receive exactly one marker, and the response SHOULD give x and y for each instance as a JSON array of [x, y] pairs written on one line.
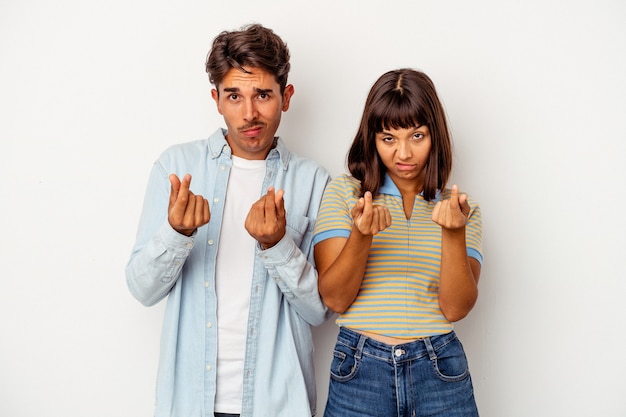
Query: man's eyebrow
[[257, 90]]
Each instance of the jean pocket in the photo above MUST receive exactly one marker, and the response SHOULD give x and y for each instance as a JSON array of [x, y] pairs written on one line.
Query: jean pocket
[[344, 365], [451, 363]]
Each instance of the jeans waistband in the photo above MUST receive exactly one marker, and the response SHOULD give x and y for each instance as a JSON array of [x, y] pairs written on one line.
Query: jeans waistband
[[406, 351]]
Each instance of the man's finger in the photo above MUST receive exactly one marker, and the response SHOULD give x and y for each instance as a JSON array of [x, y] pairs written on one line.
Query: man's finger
[[201, 209], [175, 182], [190, 210], [207, 211], [270, 205], [280, 203], [184, 185], [278, 197]]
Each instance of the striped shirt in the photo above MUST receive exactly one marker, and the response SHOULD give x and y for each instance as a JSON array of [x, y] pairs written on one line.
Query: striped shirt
[[399, 292]]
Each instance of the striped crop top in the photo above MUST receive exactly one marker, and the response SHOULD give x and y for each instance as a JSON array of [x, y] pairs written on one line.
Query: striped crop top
[[399, 292]]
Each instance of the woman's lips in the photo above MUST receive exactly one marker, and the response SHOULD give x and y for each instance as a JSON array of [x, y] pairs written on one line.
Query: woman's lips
[[405, 167]]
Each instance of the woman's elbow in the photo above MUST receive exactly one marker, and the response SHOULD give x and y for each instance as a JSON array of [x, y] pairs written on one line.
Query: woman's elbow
[[335, 305], [454, 313]]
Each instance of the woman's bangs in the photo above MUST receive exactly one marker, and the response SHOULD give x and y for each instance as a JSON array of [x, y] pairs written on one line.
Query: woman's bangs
[[397, 113]]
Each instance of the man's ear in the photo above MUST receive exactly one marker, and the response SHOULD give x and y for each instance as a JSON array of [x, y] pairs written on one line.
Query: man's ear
[[216, 96], [289, 90]]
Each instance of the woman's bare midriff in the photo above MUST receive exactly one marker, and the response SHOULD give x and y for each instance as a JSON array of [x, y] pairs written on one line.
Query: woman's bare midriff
[[385, 339]]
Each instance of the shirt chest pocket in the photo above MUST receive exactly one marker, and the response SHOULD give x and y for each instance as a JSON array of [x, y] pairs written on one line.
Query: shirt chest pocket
[[298, 226]]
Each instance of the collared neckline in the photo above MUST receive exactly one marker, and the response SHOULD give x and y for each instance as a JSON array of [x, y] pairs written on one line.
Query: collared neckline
[[219, 145], [390, 188]]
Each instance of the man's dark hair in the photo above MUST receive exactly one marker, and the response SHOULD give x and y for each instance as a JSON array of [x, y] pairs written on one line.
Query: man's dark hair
[[251, 46]]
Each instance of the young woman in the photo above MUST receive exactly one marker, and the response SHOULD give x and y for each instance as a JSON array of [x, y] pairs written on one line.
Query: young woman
[[399, 257]]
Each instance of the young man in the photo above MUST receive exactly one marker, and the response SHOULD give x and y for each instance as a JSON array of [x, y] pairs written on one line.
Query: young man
[[233, 256]]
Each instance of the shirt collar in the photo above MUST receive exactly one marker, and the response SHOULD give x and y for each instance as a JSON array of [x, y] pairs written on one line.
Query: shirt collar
[[389, 187], [280, 151], [218, 145]]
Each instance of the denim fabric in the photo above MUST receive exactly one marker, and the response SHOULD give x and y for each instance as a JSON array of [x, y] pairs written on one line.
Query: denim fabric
[[427, 377], [284, 300]]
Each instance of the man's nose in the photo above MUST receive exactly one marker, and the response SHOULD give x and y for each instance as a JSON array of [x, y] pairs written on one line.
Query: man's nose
[[250, 110]]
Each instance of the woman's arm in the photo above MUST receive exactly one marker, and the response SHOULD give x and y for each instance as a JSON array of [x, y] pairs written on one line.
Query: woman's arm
[[459, 274], [341, 261]]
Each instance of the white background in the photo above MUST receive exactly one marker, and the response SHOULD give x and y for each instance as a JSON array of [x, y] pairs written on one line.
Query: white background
[[92, 92]]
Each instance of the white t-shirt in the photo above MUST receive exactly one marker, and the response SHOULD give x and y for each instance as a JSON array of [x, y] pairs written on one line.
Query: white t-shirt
[[235, 260]]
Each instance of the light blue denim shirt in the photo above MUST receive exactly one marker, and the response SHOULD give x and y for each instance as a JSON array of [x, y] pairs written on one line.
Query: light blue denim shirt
[[279, 375]]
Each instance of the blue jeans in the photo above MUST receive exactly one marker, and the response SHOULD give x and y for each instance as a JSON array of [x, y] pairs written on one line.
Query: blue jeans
[[427, 377]]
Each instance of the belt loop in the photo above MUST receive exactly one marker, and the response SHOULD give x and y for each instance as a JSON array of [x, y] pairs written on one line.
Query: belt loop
[[359, 346], [430, 349]]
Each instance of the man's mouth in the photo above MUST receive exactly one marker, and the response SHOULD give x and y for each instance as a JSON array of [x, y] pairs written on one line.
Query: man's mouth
[[251, 131]]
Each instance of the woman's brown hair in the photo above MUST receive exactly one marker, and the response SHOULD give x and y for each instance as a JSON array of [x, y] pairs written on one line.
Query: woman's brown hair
[[400, 99]]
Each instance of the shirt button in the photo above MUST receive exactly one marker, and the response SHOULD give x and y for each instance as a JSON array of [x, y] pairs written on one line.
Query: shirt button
[[209, 325], [216, 200], [206, 284], [222, 167], [209, 367], [210, 242]]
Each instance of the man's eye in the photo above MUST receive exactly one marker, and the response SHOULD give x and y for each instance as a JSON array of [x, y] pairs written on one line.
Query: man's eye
[[263, 96], [233, 96]]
